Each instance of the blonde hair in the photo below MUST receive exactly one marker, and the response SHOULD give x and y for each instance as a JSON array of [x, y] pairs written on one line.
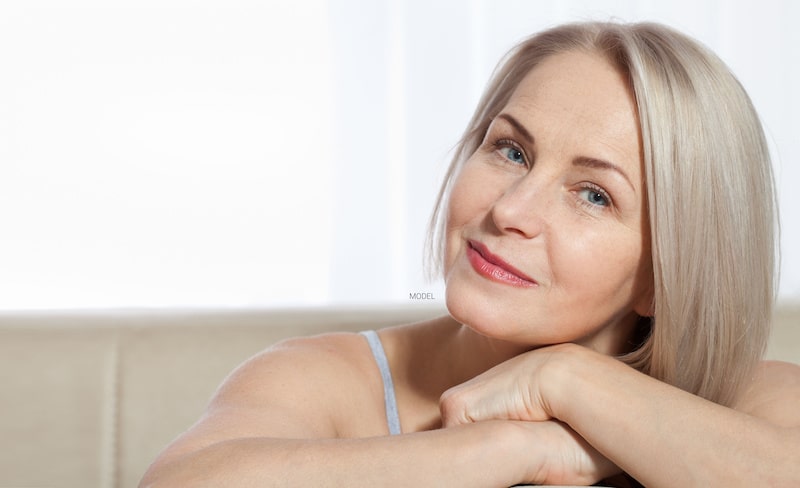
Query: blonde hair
[[710, 198]]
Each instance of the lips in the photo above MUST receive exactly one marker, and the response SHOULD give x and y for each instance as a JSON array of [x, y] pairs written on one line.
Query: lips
[[494, 268]]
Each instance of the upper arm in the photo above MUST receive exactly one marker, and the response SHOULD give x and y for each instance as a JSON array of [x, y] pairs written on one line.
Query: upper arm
[[294, 389], [774, 394]]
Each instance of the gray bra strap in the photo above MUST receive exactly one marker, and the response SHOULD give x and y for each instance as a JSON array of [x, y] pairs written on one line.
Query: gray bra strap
[[389, 400]]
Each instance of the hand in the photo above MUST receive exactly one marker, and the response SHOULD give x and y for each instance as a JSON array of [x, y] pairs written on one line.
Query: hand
[[527, 388], [554, 454], [522, 388]]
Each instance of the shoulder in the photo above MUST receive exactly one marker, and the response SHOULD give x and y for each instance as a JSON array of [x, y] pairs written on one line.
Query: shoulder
[[774, 394], [300, 386], [293, 357]]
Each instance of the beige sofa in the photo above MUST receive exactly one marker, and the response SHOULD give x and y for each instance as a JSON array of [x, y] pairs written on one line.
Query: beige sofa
[[89, 398]]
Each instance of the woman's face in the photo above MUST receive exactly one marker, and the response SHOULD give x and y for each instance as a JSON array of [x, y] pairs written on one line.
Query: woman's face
[[547, 234]]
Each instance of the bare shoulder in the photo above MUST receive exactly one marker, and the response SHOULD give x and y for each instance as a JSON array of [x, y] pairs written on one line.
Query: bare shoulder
[[774, 393], [300, 388], [307, 378]]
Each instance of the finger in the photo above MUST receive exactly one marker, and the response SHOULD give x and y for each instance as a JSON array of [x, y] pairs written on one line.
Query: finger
[[474, 401], [569, 459], [455, 406], [489, 400]]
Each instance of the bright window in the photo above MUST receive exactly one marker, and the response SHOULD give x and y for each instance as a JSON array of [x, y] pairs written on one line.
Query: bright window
[[235, 153]]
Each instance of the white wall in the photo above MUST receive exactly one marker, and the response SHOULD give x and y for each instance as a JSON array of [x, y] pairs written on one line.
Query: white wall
[[229, 153]]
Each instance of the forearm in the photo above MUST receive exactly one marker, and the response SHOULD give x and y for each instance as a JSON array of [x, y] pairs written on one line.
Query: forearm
[[477, 455], [664, 436]]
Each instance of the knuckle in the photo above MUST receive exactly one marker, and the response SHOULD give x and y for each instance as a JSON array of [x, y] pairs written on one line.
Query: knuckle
[[449, 401], [453, 407]]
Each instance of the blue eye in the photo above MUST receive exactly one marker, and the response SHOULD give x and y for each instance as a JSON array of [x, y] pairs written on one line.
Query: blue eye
[[595, 197], [513, 154]]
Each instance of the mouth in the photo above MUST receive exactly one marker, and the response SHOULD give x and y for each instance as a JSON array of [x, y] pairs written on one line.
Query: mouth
[[493, 267]]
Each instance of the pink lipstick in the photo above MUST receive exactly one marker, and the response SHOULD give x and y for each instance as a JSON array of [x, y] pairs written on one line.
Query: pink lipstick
[[493, 267]]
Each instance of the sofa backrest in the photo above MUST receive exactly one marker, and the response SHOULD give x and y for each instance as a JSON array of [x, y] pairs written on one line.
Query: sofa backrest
[[90, 398]]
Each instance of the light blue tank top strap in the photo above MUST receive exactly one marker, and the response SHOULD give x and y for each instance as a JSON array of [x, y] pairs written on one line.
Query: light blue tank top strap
[[389, 400]]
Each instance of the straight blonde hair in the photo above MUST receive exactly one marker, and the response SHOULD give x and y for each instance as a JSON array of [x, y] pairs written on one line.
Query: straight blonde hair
[[710, 198]]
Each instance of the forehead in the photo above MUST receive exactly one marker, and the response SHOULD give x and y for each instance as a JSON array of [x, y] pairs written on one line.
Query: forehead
[[583, 92]]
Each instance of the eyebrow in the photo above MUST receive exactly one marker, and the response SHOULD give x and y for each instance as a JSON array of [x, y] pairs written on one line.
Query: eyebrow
[[584, 161], [600, 164], [517, 126]]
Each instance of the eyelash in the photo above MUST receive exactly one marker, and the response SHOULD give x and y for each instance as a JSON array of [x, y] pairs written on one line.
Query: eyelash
[[501, 144], [600, 191]]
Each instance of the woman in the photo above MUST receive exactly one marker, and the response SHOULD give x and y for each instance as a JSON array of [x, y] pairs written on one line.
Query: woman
[[607, 241]]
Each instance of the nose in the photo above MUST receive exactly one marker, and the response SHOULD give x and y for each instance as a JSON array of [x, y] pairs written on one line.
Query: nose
[[523, 207]]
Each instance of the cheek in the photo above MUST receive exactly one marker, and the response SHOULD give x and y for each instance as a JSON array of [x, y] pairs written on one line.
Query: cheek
[[602, 264], [466, 207], [456, 219]]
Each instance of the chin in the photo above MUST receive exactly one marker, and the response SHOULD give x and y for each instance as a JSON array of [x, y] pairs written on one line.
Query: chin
[[489, 318], [532, 327], [474, 312]]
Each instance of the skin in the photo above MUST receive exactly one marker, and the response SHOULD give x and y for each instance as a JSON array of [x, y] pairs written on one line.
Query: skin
[[518, 384], [579, 231]]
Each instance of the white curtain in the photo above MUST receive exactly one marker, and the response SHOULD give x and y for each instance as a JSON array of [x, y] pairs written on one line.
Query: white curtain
[[234, 153]]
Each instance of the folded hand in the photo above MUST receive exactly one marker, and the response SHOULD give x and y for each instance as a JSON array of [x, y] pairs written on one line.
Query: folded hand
[[523, 389]]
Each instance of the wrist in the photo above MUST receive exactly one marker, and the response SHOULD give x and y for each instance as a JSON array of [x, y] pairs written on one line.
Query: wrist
[[505, 445], [571, 370], [522, 450]]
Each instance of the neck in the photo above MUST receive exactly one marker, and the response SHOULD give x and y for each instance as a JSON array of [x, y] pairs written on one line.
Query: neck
[[454, 353], [436, 356], [476, 353]]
